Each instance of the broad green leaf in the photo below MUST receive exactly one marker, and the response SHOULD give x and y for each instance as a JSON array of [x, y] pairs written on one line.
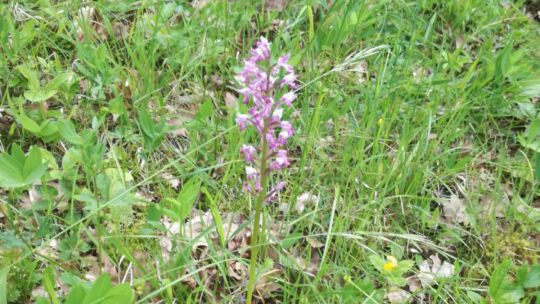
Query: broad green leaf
[[33, 167], [36, 174], [533, 145], [10, 172], [404, 266], [18, 170], [500, 289], [100, 288], [187, 196], [377, 261], [529, 278], [9, 240], [39, 95], [64, 79], [511, 294], [67, 131], [498, 277], [502, 64], [26, 34], [153, 213], [532, 90], [146, 123], [397, 280], [116, 106], [166, 211], [119, 294], [49, 131], [29, 124], [216, 216], [527, 109], [30, 75], [18, 154], [533, 130], [475, 297], [87, 197], [76, 295], [531, 138], [33, 161]]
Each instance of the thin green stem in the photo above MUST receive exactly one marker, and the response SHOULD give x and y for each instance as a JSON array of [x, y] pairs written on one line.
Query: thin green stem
[[98, 228], [256, 221]]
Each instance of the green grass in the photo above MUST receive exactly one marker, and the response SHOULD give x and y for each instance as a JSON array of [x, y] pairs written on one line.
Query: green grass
[[406, 110]]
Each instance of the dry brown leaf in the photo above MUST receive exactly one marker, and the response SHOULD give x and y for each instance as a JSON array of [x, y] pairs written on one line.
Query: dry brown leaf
[[218, 172], [361, 68], [194, 227], [198, 4], [216, 80], [60, 290], [107, 267], [179, 132], [33, 196], [27, 201], [329, 124], [497, 206], [171, 180], [231, 101], [420, 73], [120, 30], [313, 242], [181, 109], [304, 199], [267, 283], [276, 25], [414, 283], [39, 292], [432, 269], [237, 270], [189, 281], [200, 227], [397, 295], [193, 231], [181, 99], [460, 41], [325, 142], [165, 243], [209, 276], [454, 211], [283, 207], [310, 267], [275, 5], [84, 86], [237, 241], [89, 15], [49, 249]]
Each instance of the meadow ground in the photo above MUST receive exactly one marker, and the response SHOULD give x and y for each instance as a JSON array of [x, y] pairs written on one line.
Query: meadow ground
[[415, 163]]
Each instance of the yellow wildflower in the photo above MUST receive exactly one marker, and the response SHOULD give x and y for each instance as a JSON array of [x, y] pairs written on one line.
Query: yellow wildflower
[[391, 263]]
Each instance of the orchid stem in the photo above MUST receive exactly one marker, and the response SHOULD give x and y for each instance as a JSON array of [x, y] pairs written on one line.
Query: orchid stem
[[256, 221]]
